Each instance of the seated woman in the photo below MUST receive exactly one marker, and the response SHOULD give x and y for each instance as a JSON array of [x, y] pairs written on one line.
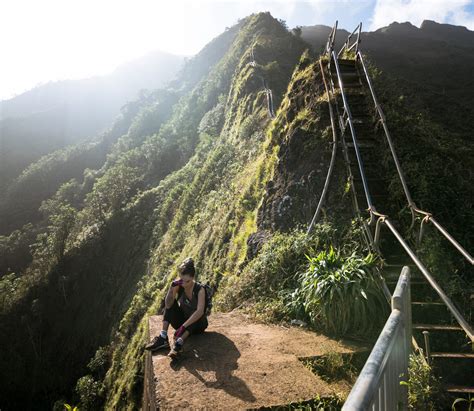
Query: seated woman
[[184, 310]]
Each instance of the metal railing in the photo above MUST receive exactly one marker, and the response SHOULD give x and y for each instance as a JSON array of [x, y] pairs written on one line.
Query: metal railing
[[268, 91], [378, 385], [347, 44], [384, 219], [333, 154], [447, 301], [427, 217], [370, 206], [367, 237]]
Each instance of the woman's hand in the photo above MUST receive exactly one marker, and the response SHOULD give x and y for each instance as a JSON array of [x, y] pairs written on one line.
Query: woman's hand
[[179, 332], [176, 283]]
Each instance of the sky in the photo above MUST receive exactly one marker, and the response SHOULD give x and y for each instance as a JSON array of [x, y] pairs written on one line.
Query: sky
[[50, 40]]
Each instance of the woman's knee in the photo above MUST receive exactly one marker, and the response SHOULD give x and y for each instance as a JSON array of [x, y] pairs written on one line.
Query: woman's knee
[[174, 315], [198, 327]]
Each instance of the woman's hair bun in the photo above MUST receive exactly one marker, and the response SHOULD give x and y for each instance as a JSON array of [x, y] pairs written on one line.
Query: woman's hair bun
[[187, 267]]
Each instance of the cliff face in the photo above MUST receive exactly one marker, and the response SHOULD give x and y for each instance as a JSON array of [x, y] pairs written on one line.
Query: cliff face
[[183, 176]]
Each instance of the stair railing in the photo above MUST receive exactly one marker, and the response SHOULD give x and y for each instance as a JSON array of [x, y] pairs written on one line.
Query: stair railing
[[427, 217], [368, 238], [331, 39], [378, 385], [370, 206], [268, 91], [333, 154], [384, 219], [347, 46], [447, 301]]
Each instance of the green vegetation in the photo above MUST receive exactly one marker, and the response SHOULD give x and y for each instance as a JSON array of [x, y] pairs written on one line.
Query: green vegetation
[[423, 386], [320, 403], [341, 293], [335, 366]]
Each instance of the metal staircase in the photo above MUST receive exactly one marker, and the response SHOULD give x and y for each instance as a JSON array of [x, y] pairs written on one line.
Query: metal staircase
[[447, 336]]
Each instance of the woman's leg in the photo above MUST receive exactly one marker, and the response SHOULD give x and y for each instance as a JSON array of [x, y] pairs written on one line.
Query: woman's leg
[[197, 327], [173, 316]]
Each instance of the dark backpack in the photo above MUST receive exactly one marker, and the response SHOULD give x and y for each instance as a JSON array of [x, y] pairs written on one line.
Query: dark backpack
[[209, 291]]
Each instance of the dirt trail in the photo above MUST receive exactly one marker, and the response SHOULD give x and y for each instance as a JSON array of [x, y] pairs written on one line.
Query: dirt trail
[[237, 364]]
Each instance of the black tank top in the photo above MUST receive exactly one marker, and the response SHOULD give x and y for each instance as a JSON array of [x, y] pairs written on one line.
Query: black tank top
[[189, 306]]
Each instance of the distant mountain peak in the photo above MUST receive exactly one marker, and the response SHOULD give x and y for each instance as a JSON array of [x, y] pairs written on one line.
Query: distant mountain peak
[[434, 26], [396, 27]]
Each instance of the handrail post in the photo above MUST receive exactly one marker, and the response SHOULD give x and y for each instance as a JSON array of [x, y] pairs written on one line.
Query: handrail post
[[401, 300], [358, 38], [380, 221], [422, 230], [426, 336]]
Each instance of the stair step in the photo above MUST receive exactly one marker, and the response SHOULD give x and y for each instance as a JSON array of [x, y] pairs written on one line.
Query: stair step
[[459, 389], [437, 327], [361, 145], [462, 355], [427, 303], [346, 62], [350, 73], [352, 85]]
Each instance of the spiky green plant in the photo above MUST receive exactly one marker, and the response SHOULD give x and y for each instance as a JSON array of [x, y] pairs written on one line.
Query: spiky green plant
[[340, 293]]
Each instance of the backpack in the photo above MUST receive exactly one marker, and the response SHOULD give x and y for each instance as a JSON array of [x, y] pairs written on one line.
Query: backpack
[[209, 292]]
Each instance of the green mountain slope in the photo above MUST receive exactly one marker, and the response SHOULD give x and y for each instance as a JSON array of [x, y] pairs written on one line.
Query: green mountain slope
[[110, 250]]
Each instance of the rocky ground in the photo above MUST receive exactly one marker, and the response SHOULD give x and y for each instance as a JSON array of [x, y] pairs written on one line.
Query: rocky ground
[[238, 364]]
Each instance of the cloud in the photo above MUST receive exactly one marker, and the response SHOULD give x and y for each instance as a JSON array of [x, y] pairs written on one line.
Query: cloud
[[415, 11]]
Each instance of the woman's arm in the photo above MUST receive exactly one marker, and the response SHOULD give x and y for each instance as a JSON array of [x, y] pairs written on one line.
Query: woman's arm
[[200, 309], [171, 296]]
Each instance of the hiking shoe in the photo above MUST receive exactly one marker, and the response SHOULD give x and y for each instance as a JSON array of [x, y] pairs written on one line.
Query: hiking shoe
[[157, 343], [177, 348]]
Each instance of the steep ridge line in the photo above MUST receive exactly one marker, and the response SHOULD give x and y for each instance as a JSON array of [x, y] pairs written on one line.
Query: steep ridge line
[[345, 75]]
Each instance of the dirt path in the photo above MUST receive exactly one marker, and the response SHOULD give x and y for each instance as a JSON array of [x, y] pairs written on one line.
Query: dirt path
[[237, 364]]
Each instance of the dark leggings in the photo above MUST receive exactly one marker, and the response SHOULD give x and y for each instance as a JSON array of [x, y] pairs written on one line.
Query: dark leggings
[[176, 318]]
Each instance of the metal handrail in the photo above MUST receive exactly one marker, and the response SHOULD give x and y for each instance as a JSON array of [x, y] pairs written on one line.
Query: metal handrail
[[331, 39], [427, 217], [378, 385], [347, 42], [447, 301], [333, 155], [442, 230], [268, 91], [368, 235], [384, 219], [347, 110]]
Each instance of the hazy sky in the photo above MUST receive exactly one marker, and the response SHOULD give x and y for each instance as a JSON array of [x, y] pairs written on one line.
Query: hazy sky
[[45, 40]]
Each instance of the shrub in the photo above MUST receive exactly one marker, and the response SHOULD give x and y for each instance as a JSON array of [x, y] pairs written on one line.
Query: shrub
[[423, 386], [90, 392], [340, 294]]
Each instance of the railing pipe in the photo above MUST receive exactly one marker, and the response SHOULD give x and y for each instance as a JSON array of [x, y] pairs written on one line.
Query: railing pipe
[[333, 155], [378, 386], [450, 238], [413, 208], [346, 43], [426, 336], [411, 203], [454, 311], [353, 133], [331, 38]]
